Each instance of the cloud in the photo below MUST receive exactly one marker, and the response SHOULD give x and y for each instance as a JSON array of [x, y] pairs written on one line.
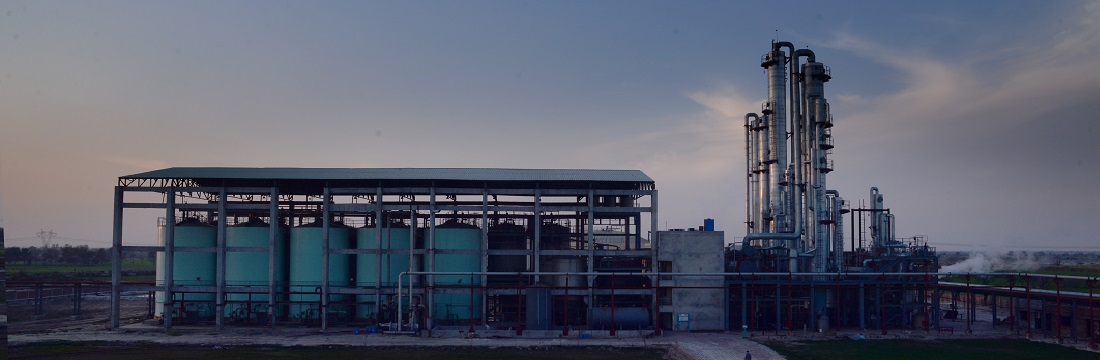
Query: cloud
[[973, 142]]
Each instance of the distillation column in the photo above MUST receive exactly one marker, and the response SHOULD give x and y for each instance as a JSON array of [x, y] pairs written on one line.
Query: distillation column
[[814, 76]]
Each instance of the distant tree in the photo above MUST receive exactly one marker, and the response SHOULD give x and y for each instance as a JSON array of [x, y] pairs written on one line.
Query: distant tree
[[13, 254], [102, 256], [51, 254], [32, 254]]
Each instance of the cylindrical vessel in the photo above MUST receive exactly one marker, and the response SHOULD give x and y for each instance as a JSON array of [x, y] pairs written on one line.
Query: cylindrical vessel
[[189, 268], [507, 236], [539, 308], [252, 268], [395, 236], [305, 267], [777, 136], [465, 304], [625, 318]]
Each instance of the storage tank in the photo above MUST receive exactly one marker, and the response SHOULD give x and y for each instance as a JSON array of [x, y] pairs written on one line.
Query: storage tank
[[189, 268], [571, 308], [251, 268], [394, 236], [457, 307], [507, 236], [626, 318], [305, 267]]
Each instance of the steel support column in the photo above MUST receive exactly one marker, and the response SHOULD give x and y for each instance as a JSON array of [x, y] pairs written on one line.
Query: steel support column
[[272, 254], [169, 256], [116, 259], [326, 215], [219, 266], [429, 295]]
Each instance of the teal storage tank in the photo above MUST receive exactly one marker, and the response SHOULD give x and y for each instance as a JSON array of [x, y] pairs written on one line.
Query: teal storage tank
[[394, 236], [189, 268], [251, 268], [305, 267], [457, 307]]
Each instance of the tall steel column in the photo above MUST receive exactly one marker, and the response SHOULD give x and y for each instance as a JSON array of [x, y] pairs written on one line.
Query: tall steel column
[[590, 244], [169, 257], [484, 256], [219, 301], [116, 259], [378, 219], [536, 251], [272, 254], [429, 295], [326, 214]]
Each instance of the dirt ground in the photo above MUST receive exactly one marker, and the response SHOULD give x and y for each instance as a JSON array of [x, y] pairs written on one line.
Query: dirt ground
[[57, 314]]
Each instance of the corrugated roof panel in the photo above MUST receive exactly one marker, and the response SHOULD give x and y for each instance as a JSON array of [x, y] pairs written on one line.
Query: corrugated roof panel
[[460, 174]]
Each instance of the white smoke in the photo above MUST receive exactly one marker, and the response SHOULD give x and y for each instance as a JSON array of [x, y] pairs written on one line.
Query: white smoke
[[990, 261]]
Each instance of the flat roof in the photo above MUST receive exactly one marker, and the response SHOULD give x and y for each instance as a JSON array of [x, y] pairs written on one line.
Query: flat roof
[[441, 177]]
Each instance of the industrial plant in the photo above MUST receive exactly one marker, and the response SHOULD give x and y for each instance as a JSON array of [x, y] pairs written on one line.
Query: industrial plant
[[547, 252]]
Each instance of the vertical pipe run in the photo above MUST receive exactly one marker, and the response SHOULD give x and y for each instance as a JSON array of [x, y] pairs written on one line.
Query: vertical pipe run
[[748, 172], [413, 265]]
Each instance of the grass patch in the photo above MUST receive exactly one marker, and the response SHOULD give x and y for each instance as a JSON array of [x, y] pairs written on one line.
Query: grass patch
[[965, 349], [86, 350], [62, 268]]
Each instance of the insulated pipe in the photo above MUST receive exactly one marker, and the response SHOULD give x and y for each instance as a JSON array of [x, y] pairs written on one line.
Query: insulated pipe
[[796, 119], [748, 171], [838, 228], [876, 217], [766, 182], [777, 126], [803, 143], [892, 227]]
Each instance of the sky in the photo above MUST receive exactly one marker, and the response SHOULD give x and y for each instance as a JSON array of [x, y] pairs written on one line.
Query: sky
[[976, 119]]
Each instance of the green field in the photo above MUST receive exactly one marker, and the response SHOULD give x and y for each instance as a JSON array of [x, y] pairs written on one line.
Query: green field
[[134, 270], [1000, 349], [145, 351], [48, 268]]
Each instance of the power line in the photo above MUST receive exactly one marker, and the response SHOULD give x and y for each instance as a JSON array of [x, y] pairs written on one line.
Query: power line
[[46, 237]]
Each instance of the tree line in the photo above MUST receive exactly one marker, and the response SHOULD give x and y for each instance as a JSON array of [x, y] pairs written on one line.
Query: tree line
[[65, 255]]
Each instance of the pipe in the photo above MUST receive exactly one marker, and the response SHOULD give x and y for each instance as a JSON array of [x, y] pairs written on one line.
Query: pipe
[[893, 231], [748, 171], [800, 138]]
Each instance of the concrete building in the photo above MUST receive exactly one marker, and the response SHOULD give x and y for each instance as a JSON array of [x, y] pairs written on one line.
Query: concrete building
[[692, 303]]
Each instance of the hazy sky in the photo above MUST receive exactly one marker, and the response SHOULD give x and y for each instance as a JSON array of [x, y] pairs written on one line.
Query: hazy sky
[[976, 119]]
